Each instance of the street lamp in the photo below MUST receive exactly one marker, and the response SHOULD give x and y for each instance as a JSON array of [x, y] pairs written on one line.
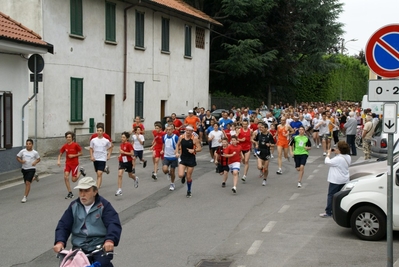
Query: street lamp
[[343, 43]]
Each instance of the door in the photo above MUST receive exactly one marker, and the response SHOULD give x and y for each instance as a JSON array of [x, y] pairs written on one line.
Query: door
[[108, 114], [163, 105]]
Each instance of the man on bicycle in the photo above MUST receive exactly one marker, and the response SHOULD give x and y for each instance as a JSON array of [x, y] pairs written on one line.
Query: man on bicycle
[[92, 221]]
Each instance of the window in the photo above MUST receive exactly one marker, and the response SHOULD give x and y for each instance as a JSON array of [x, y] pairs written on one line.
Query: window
[[139, 29], [76, 99], [110, 32], [76, 17], [187, 41], [7, 125], [199, 38], [165, 35], [139, 99]]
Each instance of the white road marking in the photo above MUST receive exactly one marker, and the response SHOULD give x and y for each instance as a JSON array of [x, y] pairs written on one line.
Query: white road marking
[[254, 248], [8, 185], [268, 228], [321, 165], [396, 264], [284, 208], [310, 177], [316, 171], [294, 196]]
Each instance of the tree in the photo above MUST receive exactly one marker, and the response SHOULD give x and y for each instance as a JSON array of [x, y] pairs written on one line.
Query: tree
[[269, 43]]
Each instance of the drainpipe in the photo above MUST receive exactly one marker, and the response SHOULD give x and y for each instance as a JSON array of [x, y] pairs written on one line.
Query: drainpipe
[[125, 51]]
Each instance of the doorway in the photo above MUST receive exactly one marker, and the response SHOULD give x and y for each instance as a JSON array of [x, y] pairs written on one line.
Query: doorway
[[109, 99], [163, 105]]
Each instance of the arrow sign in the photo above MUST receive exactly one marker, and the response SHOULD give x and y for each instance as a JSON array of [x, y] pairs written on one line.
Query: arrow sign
[[389, 118]]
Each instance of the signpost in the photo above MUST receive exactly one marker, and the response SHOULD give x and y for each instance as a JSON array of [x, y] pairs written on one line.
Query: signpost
[[382, 56]]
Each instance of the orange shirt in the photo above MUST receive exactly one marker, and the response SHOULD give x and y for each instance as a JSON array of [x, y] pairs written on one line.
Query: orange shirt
[[193, 120]]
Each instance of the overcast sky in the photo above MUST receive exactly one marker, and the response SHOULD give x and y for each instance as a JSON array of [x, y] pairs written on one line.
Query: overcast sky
[[361, 18]]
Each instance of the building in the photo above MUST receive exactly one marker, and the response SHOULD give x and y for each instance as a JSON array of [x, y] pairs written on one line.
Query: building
[[114, 60], [17, 42]]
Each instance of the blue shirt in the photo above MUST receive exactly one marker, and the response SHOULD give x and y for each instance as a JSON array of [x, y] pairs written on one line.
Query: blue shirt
[[224, 122], [295, 124]]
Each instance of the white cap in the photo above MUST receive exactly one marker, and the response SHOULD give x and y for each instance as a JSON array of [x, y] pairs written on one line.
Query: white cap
[[86, 183], [190, 111]]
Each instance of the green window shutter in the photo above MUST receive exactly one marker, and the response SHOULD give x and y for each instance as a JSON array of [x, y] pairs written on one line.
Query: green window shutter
[[139, 29], [76, 99], [165, 34], [187, 41], [76, 17], [110, 22], [8, 120], [139, 99]]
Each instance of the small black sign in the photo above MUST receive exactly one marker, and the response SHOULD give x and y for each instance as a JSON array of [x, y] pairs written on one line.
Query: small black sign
[[39, 63]]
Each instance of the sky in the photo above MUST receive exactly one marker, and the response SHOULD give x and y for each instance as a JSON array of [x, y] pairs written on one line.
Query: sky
[[362, 18]]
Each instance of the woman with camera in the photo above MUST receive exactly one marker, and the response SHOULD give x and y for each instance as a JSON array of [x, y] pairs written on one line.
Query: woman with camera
[[338, 174]]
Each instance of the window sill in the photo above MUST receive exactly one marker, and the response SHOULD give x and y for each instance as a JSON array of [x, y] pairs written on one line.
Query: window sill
[[139, 48], [110, 42], [165, 52], [188, 57], [81, 37], [77, 122]]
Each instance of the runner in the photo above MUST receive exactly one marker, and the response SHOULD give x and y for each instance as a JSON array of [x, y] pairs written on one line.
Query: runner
[[283, 136], [234, 154], [72, 153], [215, 138], [300, 146], [156, 147], [263, 141], [222, 162], [186, 149], [126, 162], [244, 137], [138, 145], [169, 157]]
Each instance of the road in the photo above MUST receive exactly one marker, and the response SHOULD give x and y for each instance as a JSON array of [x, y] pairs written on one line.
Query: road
[[273, 225]]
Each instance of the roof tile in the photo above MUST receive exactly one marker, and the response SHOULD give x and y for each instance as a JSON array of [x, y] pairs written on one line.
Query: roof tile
[[12, 29]]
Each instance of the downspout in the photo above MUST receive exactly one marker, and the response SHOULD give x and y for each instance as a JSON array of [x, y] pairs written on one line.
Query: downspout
[[125, 52]]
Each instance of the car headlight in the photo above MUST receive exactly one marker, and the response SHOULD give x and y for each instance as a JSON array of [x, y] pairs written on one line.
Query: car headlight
[[349, 186]]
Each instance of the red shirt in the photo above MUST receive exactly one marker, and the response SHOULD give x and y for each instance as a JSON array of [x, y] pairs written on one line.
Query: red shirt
[[230, 150], [106, 136], [177, 123], [228, 135], [158, 139], [139, 125], [254, 126], [176, 132], [222, 160], [126, 147], [246, 145], [71, 149]]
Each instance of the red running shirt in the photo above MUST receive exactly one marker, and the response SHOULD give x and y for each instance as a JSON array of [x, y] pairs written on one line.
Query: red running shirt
[[230, 150]]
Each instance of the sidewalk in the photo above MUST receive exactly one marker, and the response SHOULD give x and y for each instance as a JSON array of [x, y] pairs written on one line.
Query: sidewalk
[[48, 165]]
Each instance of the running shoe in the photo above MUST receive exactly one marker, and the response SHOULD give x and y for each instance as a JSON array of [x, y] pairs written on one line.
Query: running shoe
[[24, 199], [172, 187], [154, 176], [144, 164], [189, 194], [118, 192], [325, 215], [183, 179], [318, 146], [244, 178], [168, 176], [264, 182], [271, 156], [324, 154], [299, 184], [234, 189], [70, 195], [82, 171], [37, 177], [279, 171], [212, 160], [223, 184], [106, 170], [136, 182]]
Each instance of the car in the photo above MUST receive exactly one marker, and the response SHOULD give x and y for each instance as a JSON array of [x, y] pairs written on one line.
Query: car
[[379, 140], [217, 113]]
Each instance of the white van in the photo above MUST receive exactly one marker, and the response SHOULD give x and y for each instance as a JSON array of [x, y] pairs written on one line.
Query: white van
[[376, 107], [362, 205]]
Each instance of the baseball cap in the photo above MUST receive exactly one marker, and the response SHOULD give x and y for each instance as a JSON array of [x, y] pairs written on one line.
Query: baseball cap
[[86, 183], [190, 111]]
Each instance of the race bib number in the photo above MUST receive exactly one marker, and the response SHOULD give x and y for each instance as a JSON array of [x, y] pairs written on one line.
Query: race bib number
[[124, 159]]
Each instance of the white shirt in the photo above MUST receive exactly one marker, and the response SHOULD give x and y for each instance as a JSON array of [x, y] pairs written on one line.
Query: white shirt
[[217, 136], [338, 172], [100, 147], [136, 142], [29, 157]]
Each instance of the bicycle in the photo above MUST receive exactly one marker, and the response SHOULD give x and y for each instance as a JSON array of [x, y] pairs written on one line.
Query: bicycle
[[358, 138], [61, 255]]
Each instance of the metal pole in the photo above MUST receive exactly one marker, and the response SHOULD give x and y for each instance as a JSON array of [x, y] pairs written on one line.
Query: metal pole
[[35, 87], [390, 202]]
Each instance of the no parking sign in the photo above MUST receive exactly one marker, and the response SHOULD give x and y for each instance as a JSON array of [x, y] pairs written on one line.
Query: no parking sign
[[382, 51]]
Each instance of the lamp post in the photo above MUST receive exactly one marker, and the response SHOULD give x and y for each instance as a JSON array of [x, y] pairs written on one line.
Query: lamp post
[[343, 43]]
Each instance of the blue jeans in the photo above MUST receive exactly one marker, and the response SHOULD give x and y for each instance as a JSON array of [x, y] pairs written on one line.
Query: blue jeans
[[350, 139], [332, 189]]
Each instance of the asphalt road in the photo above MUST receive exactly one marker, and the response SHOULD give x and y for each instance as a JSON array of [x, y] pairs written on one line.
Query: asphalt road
[[273, 225]]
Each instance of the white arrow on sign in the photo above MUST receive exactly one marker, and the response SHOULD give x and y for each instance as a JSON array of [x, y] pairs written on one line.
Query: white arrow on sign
[[389, 118]]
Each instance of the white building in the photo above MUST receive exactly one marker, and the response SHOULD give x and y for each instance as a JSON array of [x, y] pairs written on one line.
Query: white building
[[114, 60], [16, 43]]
